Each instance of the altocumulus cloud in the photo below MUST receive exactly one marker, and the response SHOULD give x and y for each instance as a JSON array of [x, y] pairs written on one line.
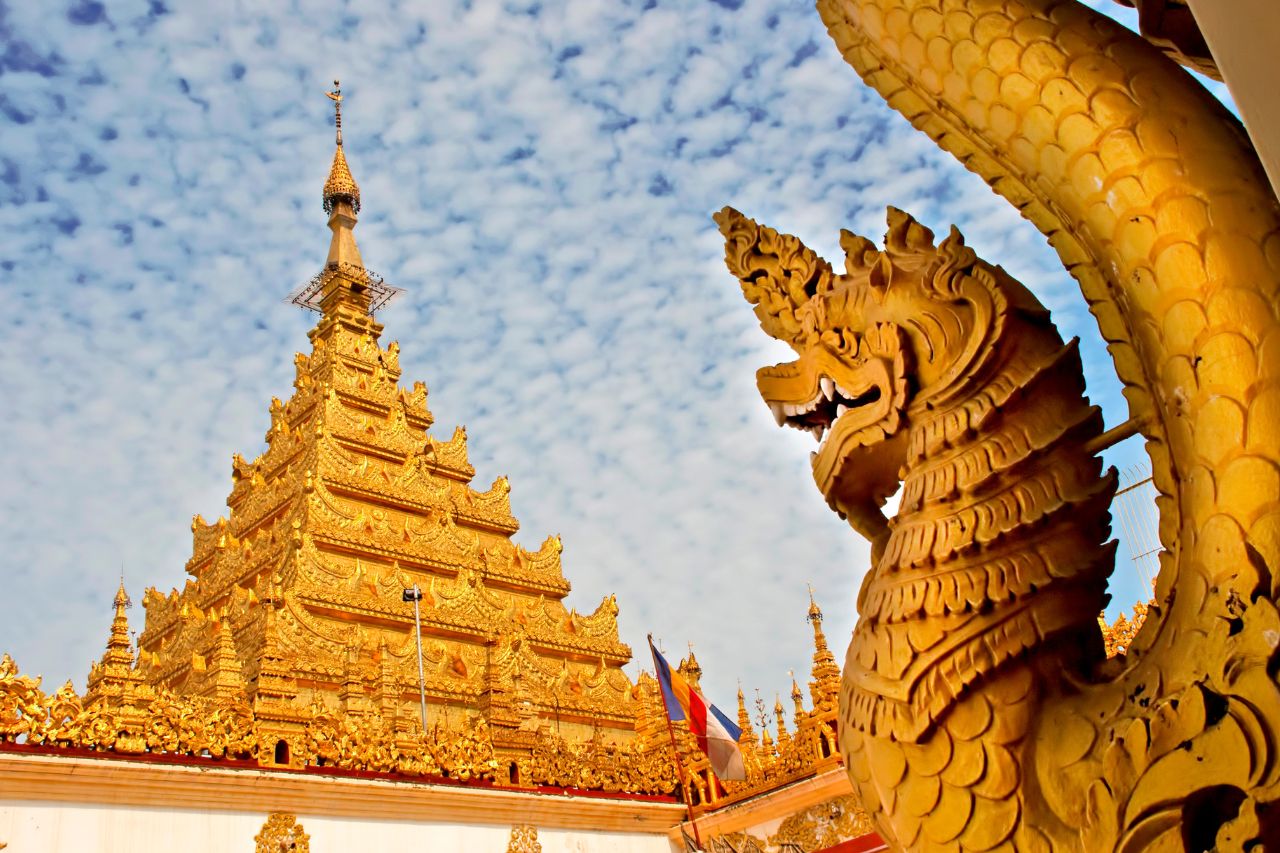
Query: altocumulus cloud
[[539, 177]]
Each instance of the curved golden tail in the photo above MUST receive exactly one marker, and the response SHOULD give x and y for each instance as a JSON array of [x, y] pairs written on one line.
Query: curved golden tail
[[1155, 201]]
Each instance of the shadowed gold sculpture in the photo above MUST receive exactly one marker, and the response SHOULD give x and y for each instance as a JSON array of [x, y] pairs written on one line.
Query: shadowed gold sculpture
[[978, 709]]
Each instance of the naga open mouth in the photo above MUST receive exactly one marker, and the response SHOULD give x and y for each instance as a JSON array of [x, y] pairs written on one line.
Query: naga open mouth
[[829, 404]]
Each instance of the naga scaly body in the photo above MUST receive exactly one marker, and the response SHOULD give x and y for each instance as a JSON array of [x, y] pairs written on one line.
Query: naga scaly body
[[964, 729]]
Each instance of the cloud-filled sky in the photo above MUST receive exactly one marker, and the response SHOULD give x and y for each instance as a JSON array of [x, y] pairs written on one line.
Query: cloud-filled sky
[[539, 177]]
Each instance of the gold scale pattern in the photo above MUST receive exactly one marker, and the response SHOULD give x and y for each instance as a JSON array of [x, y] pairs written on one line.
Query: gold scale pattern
[[975, 662]]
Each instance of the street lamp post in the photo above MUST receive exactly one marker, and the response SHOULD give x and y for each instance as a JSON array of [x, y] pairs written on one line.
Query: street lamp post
[[415, 595]]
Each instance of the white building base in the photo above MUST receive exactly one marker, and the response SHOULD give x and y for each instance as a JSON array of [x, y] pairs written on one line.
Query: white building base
[[55, 804]]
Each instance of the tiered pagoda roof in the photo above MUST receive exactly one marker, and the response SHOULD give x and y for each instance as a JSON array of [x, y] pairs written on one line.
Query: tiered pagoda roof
[[296, 595]]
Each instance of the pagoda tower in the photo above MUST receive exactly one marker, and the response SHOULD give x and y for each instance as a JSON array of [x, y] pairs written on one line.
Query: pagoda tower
[[296, 597]]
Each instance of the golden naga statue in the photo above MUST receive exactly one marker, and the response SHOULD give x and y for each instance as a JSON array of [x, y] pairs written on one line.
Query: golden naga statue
[[978, 709]]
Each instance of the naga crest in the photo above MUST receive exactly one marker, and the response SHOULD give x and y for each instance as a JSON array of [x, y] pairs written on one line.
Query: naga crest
[[912, 327]]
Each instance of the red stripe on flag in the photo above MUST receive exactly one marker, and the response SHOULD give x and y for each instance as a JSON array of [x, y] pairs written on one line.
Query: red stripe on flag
[[698, 720]]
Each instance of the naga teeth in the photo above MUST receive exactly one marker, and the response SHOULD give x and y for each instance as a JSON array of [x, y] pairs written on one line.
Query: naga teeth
[[820, 430], [779, 414], [841, 408], [828, 386]]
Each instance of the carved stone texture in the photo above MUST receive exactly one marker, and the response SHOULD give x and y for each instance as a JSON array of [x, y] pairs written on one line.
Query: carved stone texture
[[978, 707], [282, 834], [524, 839]]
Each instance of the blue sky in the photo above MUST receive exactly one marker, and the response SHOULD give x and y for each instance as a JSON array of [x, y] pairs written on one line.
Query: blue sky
[[539, 178]]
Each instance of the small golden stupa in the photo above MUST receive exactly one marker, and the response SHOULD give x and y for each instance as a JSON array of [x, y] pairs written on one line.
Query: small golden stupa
[[296, 598]]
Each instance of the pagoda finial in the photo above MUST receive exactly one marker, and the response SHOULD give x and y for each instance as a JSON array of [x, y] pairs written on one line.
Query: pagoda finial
[[114, 672], [825, 686], [797, 699], [744, 720], [340, 186], [336, 97], [815, 613], [122, 600], [120, 624], [784, 737], [691, 669]]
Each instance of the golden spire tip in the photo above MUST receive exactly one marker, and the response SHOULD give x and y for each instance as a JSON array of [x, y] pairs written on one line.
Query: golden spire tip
[[340, 186], [815, 612], [121, 600]]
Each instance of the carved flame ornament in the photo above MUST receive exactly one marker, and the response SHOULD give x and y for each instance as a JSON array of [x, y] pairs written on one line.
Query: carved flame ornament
[[979, 709], [282, 834], [524, 839], [823, 825]]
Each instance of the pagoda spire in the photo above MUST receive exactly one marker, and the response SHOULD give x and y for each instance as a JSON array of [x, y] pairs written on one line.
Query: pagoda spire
[[780, 713], [119, 646], [691, 669], [341, 198], [748, 735], [345, 292], [825, 686], [114, 673], [797, 698]]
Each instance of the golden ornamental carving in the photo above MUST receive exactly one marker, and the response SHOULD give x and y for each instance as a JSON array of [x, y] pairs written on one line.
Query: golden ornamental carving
[[978, 707], [1118, 636], [524, 839], [130, 717], [293, 607], [824, 825], [282, 834]]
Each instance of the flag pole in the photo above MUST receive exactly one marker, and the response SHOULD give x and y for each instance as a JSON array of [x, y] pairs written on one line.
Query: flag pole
[[688, 792]]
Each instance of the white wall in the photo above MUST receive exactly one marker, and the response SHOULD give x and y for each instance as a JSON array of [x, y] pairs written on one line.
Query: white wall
[[43, 827]]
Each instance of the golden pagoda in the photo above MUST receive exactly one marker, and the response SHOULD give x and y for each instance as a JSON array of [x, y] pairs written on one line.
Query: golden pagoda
[[296, 598]]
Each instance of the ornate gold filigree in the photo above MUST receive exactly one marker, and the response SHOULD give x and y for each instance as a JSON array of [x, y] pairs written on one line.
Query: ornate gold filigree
[[1118, 636], [126, 716], [524, 839], [824, 825], [282, 834]]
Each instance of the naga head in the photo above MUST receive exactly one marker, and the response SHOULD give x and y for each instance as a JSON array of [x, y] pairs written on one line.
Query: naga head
[[893, 338]]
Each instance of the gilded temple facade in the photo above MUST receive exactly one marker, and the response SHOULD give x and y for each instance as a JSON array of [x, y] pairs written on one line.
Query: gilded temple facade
[[291, 647], [295, 597]]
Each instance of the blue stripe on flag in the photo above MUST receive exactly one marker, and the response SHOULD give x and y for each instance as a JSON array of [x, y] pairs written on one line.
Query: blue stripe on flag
[[731, 728], [663, 670]]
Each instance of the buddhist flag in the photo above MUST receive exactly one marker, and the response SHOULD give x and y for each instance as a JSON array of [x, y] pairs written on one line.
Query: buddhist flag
[[716, 735]]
